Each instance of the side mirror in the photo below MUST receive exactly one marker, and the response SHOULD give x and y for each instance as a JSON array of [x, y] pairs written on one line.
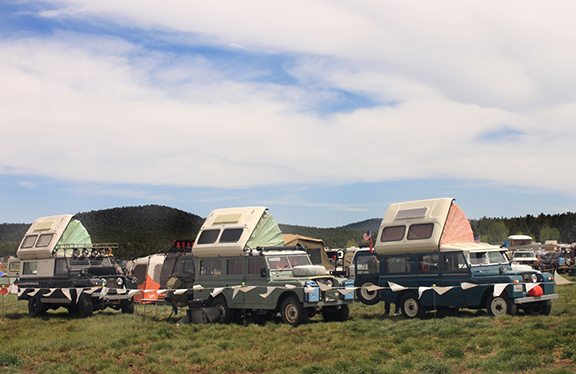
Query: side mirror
[[263, 272]]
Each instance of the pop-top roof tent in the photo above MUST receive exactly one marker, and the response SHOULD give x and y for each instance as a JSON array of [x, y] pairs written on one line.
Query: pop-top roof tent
[[147, 271], [424, 226], [233, 231], [314, 247], [46, 233]]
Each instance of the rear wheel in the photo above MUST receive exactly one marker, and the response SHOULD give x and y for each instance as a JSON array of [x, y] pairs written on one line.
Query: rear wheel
[[35, 306], [128, 307], [411, 307], [293, 312], [225, 313], [365, 296]]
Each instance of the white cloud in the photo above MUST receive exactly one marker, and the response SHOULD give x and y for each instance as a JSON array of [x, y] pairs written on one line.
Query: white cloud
[[442, 75]]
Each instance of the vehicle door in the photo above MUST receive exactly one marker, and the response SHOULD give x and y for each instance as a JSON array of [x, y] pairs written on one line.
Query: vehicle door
[[257, 274], [428, 275], [455, 270]]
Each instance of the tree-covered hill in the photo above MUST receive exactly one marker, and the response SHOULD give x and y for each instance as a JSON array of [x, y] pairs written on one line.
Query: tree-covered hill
[[144, 230]]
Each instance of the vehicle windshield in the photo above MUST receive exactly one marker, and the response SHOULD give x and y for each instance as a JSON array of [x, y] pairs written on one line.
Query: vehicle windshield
[[524, 254], [82, 263], [487, 258], [287, 262]]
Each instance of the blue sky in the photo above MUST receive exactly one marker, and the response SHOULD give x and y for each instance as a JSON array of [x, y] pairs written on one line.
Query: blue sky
[[324, 111]]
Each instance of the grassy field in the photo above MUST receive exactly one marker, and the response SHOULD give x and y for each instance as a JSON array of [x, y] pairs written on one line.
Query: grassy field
[[110, 342]]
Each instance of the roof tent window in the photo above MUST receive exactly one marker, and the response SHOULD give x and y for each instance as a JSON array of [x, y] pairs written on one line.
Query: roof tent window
[[231, 235], [393, 233], [208, 236], [44, 240], [412, 213], [29, 241], [420, 231]]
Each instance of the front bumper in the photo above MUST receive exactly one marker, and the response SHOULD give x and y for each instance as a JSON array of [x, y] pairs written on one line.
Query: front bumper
[[534, 299]]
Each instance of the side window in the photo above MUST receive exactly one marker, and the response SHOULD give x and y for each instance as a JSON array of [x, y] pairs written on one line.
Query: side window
[[61, 267], [420, 231], [140, 273], [208, 236], [30, 268], [397, 265], [210, 267], [14, 266], [255, 264], [455, 262], [186, 267], [367, 264], [231, 235], [235, 266], [393, 233], [29, 241], [167, 267], [428, 262], [44, 240]]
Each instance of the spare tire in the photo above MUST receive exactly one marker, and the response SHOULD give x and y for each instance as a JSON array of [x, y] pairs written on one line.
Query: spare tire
[[308, 270]]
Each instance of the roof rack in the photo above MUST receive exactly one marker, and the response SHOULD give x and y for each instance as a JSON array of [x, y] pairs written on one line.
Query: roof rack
[[87, 249]]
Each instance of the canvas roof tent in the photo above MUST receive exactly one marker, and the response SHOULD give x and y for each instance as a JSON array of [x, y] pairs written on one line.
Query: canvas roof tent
[[232, 231], [423, 226], [147, 271], [46, 233], [314, 247]]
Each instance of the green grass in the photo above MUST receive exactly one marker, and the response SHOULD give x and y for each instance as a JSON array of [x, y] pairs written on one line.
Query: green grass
[[110, 342]]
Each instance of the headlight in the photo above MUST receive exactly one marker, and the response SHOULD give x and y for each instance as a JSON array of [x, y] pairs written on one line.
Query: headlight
[[119, 282], [103, 252], [534, 278], [76, 253], [85, 252], [94, 253]]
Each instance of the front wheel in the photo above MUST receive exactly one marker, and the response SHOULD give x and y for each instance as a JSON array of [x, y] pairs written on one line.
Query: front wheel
[[366, 296], [500, 305], [128, 307], [35, 306], [293, 312], [333, 314], [411, 307], [85, 306]]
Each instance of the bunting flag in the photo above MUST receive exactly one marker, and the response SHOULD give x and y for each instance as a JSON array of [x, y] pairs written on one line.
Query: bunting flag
[[530, 286], [161, 292], [236, 289], [395, 287], [560, 280], [66, 292], [121, 291], [346, 291], [269, 291], [217, 291], [33, 293], [422, 289], [104, 292], [49, 292], [133, 292], [466, 285], [307, 289], [324, 287], [197, 287], [290, 286], [442, 290], [78, 293], [180, 291], [498, 288]]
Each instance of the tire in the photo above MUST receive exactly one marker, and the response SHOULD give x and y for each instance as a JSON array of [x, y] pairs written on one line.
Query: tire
[[128, 307], [293, 312], [85, 306], [333, 314], [547, 308], [411, 307], [225, 313], [35, 306], [365, 296], [501, 305]]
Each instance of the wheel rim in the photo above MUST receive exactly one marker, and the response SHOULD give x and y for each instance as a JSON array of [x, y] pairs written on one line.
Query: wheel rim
[[367, 295], [498, 306], [411, 308], [291, 313]]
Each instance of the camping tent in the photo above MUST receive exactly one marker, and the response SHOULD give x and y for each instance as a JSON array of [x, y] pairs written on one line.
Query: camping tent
[[314, 247]]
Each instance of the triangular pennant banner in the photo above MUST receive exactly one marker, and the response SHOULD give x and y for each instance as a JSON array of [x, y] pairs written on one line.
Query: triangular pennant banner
[[133, 292], [498, 288], [421, 290], [247, 288], [442, 290], [530, 286], [21, 291], [104, 292], [33, 293], [78, 293], [308, 289], [290, 286], [180, 291], [217, 291], [466, 286], [66, 292], [373, 288], [197, 287], [396, 287], [160, 292], [50, 292], [560, 280], [345, 291], [269, 291], [121, 291], [324, 287]]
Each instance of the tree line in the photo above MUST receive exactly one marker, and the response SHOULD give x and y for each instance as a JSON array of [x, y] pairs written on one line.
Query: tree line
[[144, 230]]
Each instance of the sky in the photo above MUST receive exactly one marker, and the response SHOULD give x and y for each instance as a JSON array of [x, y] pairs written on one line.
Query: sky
[[326, 111]]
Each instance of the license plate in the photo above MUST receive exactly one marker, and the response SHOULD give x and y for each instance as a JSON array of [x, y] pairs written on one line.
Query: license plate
[[518, 288]]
